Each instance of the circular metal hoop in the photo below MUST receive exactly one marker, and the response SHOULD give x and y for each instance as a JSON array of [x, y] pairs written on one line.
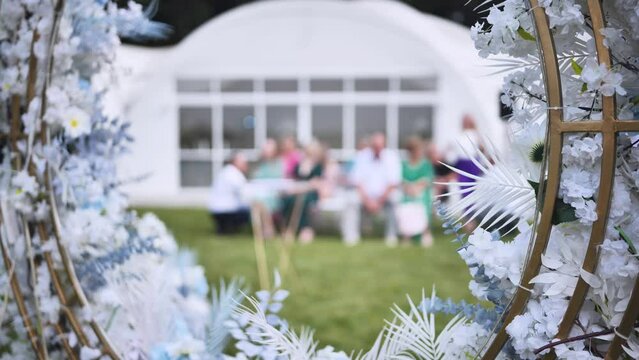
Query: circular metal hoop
[[609, 127]]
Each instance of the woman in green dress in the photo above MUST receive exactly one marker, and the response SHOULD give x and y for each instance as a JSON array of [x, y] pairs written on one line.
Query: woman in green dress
[[418, 175], [267, 203]]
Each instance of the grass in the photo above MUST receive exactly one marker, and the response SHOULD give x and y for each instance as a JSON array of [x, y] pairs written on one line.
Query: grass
[[344, 293]]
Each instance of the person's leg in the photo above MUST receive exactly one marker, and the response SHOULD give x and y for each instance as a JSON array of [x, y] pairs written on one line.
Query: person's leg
[[350, 218], [427, 238], [241, 218], [305, 230], [390, 226], [266, 218], [288, 202], [232, 222], [305, 215], [221, 223]]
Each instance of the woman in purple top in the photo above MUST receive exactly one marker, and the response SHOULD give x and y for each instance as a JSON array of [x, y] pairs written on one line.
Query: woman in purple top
[[468, 166], [464, 163]]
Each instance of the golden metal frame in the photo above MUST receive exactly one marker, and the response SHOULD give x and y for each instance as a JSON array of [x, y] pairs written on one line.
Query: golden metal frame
[[609, 127]]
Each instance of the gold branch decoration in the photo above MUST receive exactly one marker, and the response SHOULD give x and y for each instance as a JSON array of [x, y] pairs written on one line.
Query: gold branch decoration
[[609, 127]]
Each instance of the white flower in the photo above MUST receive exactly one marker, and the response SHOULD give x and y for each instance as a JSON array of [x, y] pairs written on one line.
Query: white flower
[[87, 353], [585, 210], [503, 19], [8, 80], [611, 36], [564, 12], [41, 211], [329, 353], [25, 183], [186, 347], [529, 143], [599, 78], [76, 122]]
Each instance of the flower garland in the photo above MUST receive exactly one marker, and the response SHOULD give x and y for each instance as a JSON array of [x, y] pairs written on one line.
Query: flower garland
[[64, 223]]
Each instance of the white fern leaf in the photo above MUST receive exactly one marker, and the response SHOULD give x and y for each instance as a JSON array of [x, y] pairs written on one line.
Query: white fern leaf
[[632, 345], [287, 343], [578, 52], [412, 335], [223, 304], [500, 195]]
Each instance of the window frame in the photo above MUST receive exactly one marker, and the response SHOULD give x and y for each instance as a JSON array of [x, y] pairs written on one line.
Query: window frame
[[304, 100]]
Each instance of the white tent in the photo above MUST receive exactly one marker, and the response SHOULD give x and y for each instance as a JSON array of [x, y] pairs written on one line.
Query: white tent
[[327, 69]]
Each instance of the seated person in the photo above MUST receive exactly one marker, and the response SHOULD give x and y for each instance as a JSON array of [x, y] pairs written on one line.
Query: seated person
[[297, 203], [417, 184], [376, 176], [267, 200], [226, 200], [290, 155]]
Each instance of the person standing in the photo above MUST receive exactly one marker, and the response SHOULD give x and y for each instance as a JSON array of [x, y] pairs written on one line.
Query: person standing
[[227, 203], [376, 176], [417, 184]]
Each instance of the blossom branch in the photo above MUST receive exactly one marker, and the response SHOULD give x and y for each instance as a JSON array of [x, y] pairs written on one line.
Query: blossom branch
[[573, 339]]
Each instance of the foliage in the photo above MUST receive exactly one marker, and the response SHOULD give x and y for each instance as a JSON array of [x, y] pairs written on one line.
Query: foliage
[[343, 293]]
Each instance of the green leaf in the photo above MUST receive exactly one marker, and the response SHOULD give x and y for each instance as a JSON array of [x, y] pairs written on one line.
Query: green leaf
[[535, 186], [576, 67], [562, 213], [631, 247], [525, 34], [584, 88]]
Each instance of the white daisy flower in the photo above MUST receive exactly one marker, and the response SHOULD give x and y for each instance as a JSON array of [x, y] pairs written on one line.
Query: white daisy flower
[[76, 122]]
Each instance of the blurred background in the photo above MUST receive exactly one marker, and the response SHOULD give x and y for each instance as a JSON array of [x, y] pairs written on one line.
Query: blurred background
[[234, 77], [330, 70]]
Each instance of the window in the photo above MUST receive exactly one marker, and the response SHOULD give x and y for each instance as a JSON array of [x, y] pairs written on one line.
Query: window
[[236, 85], [327, 125], [239, 127], [287, 85], [196, 173], [368, 120], [281, 121], [193, 86], [418, 84], [326, 85], [415, 121], [195, 128], [238, 113], [371, 84]]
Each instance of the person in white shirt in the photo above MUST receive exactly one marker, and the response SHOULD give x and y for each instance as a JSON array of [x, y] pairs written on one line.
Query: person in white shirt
[[227, 203], [376, 176]]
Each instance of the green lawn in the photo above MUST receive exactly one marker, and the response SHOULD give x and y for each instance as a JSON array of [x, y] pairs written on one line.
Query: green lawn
[[344, 293]]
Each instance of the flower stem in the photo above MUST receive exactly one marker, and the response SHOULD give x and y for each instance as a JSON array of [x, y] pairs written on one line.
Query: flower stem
[[574, 338]]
